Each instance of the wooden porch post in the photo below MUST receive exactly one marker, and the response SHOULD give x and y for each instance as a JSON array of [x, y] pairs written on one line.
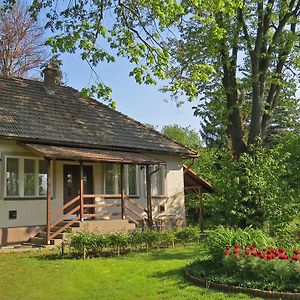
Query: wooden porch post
[[81, 191], [49, 185], [122, 193], [149, 196]]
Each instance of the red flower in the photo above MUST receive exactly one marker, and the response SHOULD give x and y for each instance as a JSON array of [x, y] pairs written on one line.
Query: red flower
[[262, 256], [296, 251], [252, 247], [247, 252], [254, 254], [296, 258], [235, 251], [228, 247], [283, 256], [259, 252], [281, 249], [237, 246], [226, 253], [269, 256]]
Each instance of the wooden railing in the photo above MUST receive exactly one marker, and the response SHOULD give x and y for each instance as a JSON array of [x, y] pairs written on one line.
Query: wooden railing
[[132, 211], [51, 231]]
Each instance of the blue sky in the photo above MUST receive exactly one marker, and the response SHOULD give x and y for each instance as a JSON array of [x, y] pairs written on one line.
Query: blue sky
[[141, 102]]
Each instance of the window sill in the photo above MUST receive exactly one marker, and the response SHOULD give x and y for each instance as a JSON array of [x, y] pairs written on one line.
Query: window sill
[[26, 198], [159, 197]]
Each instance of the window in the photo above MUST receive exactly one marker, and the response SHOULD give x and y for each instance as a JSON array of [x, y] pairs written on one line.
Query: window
[[112, 179], [29, 177], [158, 180], [12, 177], [26, 177]]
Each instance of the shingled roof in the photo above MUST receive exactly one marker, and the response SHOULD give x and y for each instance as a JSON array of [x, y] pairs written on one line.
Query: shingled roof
[[29, 113]]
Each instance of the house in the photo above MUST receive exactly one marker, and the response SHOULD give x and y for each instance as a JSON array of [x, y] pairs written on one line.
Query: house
[[68, 160]]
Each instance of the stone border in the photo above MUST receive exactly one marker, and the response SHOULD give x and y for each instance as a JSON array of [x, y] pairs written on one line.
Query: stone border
[[237, 289]]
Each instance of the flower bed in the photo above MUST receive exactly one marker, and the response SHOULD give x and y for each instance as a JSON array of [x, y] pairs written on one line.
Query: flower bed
[[247, 265]]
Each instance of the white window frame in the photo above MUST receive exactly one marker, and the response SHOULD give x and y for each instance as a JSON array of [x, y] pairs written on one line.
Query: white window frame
[[137, 182], [21, 162]]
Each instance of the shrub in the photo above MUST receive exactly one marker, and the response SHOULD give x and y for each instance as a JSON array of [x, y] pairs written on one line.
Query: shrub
[[117, 241], [93, 243], [167, 238], [221, 237], [187, 235]]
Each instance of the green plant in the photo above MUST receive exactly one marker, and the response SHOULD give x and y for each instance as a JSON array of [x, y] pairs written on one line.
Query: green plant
[[118, 241], [218, 239], [187, 235]]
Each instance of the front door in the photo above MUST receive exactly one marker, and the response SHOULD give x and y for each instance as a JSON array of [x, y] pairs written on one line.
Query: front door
[[72, 184]]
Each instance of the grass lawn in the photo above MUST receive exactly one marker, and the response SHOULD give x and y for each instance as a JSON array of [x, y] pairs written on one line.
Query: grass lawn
[[153, 275]]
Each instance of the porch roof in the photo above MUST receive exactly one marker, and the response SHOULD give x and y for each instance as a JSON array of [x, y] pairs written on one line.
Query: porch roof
[[92, 155]]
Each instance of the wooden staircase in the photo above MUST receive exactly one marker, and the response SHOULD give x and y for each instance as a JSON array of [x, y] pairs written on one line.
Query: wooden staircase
[[41, 237], [59, 223]]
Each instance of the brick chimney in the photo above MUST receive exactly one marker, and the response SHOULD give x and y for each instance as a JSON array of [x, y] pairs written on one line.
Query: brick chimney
[[52, 75]]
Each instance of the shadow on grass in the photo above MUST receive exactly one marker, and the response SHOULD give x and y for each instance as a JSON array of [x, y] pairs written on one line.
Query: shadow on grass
[[176, 275]]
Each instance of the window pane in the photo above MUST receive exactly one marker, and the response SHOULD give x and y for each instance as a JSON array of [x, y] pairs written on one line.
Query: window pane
[[112, 179], [29, 177], [42, 178], [158, 181], [132, 180], [12, 177]]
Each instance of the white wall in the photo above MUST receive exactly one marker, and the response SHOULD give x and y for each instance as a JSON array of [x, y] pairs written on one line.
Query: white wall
[[33, 212]]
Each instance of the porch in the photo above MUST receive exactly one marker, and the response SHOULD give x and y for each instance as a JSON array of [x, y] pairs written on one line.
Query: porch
[[81, 203]]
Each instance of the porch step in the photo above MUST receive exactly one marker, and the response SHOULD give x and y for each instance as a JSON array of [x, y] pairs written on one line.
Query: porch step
[[104, 226]]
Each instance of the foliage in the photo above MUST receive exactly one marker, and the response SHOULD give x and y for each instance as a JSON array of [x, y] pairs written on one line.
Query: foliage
[[253, 190], [22, 48], [186, 136], [221, 237], [87, 243], [249, 258], [247, 59], [251, 272], [187, 235]]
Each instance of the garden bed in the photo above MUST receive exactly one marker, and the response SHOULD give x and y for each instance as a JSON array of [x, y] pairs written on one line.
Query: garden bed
[[207, 283]]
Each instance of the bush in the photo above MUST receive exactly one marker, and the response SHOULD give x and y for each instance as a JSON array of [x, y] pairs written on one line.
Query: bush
[[221, 237], [187, 235], [117, 241], [93, 243]]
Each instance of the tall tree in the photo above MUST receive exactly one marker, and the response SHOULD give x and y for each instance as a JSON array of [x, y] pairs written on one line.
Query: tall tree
[[237, 55], [22, 42]]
